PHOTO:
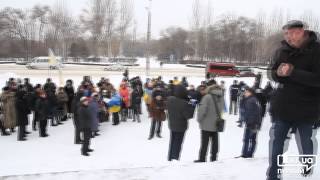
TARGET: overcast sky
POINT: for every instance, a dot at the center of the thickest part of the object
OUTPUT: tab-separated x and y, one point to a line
166	13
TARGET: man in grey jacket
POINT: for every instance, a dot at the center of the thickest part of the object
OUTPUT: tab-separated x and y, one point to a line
207	118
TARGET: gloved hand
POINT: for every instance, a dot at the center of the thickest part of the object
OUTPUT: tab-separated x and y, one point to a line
193	102
316	125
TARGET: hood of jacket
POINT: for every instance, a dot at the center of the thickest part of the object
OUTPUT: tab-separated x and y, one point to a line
214	90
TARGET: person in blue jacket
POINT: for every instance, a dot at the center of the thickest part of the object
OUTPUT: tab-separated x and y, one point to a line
252	117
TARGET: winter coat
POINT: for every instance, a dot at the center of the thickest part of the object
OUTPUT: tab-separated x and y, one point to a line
42	108
49	88
125	95
261	96
8	99
179	110
193	94
75	107
297	98
157	110
70	93
53	103
85	117
94	110
158	92
207	114
184	83
234	92
62	99
22	108
136	96
252	112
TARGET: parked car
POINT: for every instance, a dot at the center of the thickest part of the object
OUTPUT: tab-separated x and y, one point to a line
115	67
44	62
221	69
245	72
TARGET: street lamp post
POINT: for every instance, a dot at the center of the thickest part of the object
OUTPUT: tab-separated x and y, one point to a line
148	40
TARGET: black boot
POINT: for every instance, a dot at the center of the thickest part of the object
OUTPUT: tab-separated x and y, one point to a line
85	153
52	122
4	132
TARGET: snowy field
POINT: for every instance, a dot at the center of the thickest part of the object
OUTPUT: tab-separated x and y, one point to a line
124	153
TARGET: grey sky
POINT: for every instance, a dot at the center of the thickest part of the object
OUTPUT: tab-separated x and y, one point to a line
178	12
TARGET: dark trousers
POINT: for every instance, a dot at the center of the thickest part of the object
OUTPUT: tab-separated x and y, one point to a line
77	131
124	114
43	127
21	132
35	120
278	135
115	118
233	107
176	139
86	140
249	142
3	130
155	124
205	137
136	115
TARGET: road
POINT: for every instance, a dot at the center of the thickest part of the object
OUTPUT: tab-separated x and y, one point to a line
81	70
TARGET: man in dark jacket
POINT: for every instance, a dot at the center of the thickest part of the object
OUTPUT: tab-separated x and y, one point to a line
136	96
261	96
234	95
42	110
69	89
76	123
85	123
22	112
295	104
252	117
180	111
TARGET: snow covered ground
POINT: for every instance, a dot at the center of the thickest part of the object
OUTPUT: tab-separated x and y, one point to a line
123	152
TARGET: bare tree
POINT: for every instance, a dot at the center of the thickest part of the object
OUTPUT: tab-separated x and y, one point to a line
19	24
61	29
40	14
111	14
125	15
93	20
207	24
195	23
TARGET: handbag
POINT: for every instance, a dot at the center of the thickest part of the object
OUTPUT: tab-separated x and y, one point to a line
220	122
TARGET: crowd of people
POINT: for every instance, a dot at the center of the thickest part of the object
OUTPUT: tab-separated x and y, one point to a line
90	104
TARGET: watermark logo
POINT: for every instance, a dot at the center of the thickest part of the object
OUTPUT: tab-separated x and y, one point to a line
296	164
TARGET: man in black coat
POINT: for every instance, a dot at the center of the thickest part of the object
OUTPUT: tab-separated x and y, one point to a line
234	95
22	112
74	110
69	89
42	109
180	111
136	97
85	122
295	103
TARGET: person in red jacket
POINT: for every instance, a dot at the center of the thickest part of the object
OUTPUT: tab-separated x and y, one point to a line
125	96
